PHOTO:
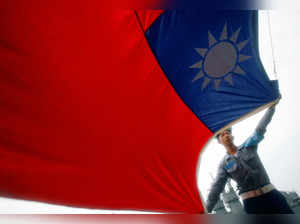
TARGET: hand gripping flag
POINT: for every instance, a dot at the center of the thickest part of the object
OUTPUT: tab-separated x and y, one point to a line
111	108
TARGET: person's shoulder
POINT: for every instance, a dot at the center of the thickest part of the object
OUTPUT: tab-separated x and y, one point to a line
223	161
240	147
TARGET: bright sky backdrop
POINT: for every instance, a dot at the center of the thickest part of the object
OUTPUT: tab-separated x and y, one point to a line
279	151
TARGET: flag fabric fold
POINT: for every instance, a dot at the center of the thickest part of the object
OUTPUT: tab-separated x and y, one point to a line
89	115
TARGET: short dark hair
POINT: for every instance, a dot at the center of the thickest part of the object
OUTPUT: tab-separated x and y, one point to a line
228	129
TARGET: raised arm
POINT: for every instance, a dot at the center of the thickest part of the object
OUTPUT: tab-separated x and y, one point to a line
217	188
260	130
263	123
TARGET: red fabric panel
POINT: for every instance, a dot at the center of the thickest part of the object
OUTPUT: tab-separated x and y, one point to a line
87	116
147	17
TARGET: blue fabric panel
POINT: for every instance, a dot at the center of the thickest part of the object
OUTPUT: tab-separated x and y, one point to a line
212	61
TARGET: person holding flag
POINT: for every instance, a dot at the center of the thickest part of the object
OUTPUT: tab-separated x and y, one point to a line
242	164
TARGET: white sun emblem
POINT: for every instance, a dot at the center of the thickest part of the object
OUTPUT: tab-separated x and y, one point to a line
221	60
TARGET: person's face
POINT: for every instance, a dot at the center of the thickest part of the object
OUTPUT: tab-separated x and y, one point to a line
225	138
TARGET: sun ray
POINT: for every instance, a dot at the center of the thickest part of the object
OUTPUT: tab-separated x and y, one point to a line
198	76
217	83
201	51
235	35
212	39
205	83
244	57
242	44
228	78
197	65
224	33
239	70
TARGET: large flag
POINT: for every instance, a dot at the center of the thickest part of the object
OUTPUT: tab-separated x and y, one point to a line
111	108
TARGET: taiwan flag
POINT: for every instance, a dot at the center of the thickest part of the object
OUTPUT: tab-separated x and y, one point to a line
111	109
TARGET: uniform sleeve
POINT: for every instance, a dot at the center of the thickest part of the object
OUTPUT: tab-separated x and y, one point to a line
217	188
260	129
263	123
